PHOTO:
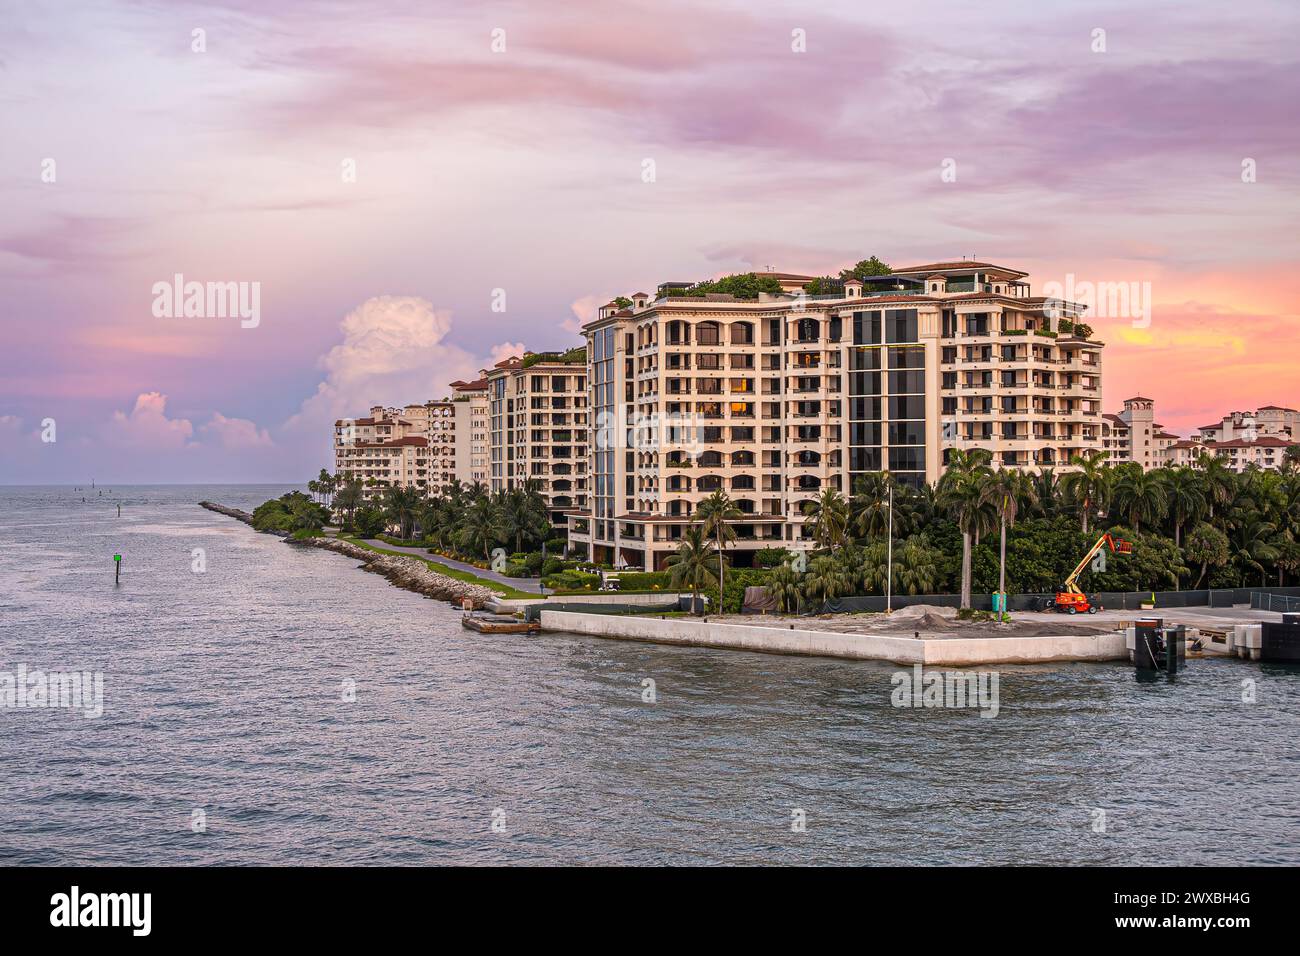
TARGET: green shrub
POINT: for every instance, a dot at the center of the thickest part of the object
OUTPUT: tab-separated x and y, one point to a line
770	557
369	522
644	580
573	581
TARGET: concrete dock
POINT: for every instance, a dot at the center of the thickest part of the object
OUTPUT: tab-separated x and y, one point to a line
951	651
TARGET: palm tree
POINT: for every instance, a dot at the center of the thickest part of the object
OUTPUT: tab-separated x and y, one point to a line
1220	482
1047	489
349	498
713	513
691	564
1009	489
916	566
783	588
1208	545
914	509
873	567
828	517
825	580
1090	485
1183	488
964	493
869	506
401	505
307	516
523	513
325	481
1252	545
1140	495
478	527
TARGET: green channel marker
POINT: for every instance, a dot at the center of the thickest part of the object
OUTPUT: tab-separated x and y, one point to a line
117	569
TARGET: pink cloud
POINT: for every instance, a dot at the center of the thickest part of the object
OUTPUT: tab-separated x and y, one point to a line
236	433
147	425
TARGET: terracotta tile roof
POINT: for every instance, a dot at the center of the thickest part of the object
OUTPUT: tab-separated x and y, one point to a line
478	385
931	267
1265	442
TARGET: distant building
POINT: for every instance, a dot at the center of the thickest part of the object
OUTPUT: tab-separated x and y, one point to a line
473	438
1134	435
409	447
1271	421
538	428
1242	439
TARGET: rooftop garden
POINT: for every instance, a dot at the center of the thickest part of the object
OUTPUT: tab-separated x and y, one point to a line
745	285
574	356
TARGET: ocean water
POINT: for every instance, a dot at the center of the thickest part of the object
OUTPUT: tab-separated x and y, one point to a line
225	694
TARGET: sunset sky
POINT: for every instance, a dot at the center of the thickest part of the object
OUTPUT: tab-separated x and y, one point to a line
522	171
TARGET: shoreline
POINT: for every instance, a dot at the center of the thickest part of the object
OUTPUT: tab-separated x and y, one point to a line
408	573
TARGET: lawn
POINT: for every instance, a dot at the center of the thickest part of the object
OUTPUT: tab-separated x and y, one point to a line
502	589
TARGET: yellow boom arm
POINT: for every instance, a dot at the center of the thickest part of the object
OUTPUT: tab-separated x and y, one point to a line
1118	545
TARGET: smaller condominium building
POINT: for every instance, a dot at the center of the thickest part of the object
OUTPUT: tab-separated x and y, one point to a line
1271	421
537	428
473	438
416	446
1134	435
1242	439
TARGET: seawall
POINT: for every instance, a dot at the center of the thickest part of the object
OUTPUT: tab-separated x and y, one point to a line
953	652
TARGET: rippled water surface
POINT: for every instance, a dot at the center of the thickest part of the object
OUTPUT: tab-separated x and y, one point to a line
223	692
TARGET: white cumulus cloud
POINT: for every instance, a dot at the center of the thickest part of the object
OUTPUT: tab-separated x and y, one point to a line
506	350
236	433
147	425
393	353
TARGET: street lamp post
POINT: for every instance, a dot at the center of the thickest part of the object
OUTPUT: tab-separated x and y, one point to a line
889	563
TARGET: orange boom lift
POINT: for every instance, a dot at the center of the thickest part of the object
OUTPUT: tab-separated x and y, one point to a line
1070	599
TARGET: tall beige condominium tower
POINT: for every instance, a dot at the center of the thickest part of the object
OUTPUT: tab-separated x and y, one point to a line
777	398
537	427
473	444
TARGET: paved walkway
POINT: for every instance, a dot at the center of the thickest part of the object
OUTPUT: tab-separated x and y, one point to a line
532	585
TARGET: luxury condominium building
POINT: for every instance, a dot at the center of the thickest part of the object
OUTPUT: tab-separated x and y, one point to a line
473	438
1134	435
1243	440
538	428
777	398
409	447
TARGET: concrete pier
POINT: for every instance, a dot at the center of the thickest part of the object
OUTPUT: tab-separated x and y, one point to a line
953	652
